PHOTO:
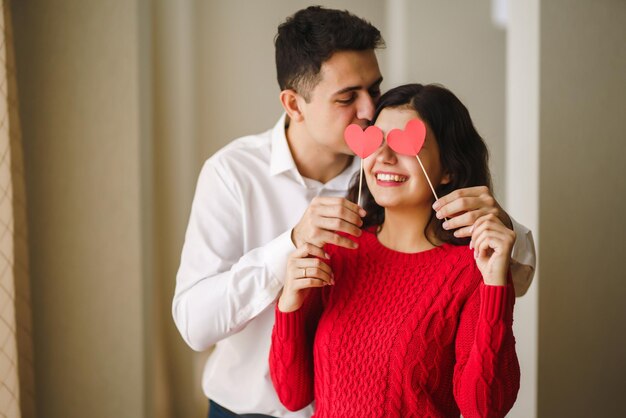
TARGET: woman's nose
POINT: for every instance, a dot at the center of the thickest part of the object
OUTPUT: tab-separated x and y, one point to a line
386	155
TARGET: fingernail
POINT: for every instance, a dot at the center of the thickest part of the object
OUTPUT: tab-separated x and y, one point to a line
327	256
445	225
436	205
471	244
362	212
471	229
438	214
456	233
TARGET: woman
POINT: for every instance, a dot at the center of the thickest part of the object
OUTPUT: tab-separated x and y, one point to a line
415	322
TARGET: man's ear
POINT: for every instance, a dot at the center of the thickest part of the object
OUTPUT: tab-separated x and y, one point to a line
291	101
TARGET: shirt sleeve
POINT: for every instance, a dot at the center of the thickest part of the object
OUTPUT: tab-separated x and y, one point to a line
523	258
218	287
291	353
486	374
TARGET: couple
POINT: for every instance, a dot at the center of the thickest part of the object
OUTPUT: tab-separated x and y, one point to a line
268	200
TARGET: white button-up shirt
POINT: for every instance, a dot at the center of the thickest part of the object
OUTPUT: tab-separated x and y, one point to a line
248	198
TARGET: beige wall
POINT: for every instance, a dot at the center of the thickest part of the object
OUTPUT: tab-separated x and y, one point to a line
78	73
456	44
582	338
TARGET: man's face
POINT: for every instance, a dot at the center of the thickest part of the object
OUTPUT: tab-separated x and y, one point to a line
346	94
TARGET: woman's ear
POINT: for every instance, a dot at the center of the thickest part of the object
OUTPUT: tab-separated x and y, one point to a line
290	100
447	178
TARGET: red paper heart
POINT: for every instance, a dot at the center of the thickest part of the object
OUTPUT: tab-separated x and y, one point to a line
410	140
363	143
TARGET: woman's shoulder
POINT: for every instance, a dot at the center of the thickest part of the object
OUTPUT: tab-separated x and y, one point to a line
461	252
462	261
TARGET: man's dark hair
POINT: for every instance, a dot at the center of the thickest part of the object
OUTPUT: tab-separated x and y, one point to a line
310	37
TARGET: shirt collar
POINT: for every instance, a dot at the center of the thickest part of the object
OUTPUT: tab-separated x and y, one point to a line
342	181
281	159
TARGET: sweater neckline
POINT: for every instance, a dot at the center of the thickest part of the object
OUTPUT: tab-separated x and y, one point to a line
371	239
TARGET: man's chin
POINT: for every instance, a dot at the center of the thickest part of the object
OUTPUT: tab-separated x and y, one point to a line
346	151
340	150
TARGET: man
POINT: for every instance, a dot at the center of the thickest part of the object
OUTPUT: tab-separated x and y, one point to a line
262	196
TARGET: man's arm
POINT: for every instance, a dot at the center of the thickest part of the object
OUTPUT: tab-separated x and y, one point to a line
218	287
464	206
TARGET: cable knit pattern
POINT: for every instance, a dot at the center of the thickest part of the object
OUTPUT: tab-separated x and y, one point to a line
399	335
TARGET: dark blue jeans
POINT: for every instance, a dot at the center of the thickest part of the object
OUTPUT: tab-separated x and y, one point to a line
218	411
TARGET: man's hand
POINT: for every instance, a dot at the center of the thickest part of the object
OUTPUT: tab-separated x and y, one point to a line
463	207
326	216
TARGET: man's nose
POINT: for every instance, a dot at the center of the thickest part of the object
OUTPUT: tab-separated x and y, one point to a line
366	107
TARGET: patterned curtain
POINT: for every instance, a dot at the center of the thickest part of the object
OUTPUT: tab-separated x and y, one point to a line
16	352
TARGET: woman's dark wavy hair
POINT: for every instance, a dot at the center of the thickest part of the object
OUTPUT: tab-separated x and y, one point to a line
463	152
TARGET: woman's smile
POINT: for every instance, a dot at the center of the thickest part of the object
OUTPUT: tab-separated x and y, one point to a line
389	179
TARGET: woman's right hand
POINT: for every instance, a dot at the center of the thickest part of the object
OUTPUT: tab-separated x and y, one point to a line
305	270
493	243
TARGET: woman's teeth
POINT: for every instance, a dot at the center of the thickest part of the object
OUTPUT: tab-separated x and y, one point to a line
390	177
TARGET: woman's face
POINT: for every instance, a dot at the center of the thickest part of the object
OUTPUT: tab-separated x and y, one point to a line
397	180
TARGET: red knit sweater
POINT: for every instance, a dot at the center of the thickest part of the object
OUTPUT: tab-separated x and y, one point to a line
399	335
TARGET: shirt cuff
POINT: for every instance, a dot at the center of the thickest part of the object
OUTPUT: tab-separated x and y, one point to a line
523	258
524	247
276	253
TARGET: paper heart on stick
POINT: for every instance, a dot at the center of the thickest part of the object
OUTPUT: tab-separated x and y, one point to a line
363	143
410	140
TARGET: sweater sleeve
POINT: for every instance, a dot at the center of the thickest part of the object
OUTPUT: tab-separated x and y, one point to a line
291	352
486	374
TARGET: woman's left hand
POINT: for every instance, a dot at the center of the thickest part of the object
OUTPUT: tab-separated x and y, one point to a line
492	243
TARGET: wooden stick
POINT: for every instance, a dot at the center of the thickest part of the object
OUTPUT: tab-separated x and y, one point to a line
358	202
428	179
